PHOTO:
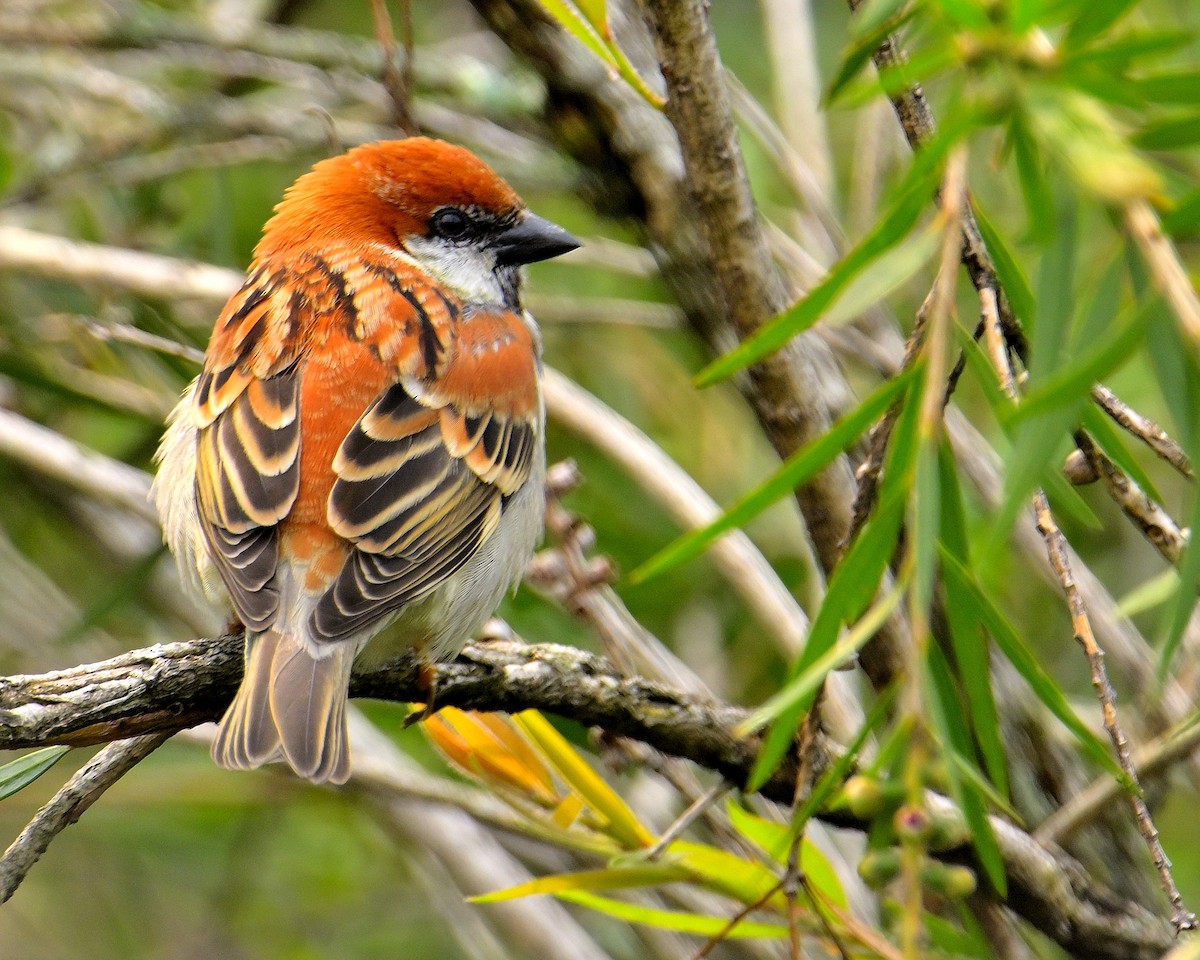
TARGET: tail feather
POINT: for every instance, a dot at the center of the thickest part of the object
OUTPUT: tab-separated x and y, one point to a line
291	706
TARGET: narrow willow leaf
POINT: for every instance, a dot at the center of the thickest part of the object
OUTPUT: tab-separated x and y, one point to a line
797	470
1120	54
1184	220
1031	178
1067	501
836	775
578	774
1038	438
575	24
1073	381
18	774
967	14
1179	87
799	691
893	269
776	839
747	881
873	549
895	79
610	878
1169	133
1189	579
895	225
971	772
1179	384
1080	132
944	709
1014	648
1009	272
966	634
870	26
691	923
1093	19
1159	589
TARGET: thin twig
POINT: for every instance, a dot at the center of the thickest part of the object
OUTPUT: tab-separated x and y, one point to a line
69	803
1169	274
395	81
696	809
1056	548
712	942
1148	516
1152	759
1145	429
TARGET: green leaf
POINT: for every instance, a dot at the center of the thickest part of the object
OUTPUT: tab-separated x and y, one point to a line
1159	589
1035	191
896	224
1087	141
17	774
797	470
833	777
776	839
1014	648
893	269
1092	19
691	923
859	570
569	17
610	878
1184	219
746	881
1189	579
1010	274
944	709
1169	133
967	639
1037	438
1073	381
869	28
799	691
968	14
1179	87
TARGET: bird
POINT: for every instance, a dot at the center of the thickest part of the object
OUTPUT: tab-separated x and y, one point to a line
363	451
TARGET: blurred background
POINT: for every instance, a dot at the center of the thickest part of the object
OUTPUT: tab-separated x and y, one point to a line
173	128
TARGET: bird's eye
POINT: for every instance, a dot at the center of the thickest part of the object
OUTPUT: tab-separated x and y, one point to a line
450	224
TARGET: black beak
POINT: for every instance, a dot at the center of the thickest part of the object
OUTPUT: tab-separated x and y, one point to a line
531	239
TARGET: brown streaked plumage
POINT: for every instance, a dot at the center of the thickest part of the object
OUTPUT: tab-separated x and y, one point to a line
364	444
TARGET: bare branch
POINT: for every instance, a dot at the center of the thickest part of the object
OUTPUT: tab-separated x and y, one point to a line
159	690
1149	517
1056	549
69	804
1145	429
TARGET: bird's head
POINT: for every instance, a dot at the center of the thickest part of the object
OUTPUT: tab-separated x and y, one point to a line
436	202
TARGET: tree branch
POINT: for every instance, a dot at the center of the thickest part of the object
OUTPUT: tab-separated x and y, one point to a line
159	690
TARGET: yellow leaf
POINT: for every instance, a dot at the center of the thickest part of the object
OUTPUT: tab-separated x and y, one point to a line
622	825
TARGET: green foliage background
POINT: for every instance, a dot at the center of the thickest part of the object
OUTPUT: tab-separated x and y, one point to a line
181	860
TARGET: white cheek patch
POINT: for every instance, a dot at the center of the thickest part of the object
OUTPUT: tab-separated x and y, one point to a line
466	269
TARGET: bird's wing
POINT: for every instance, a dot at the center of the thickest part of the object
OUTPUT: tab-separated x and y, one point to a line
424	475
246	407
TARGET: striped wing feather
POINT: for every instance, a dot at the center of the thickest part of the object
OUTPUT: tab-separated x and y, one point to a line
248	451
417	493
421	479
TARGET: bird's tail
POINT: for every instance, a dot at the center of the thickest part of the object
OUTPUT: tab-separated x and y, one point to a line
291	706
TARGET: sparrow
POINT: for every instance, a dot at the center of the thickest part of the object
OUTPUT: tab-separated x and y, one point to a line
364	447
